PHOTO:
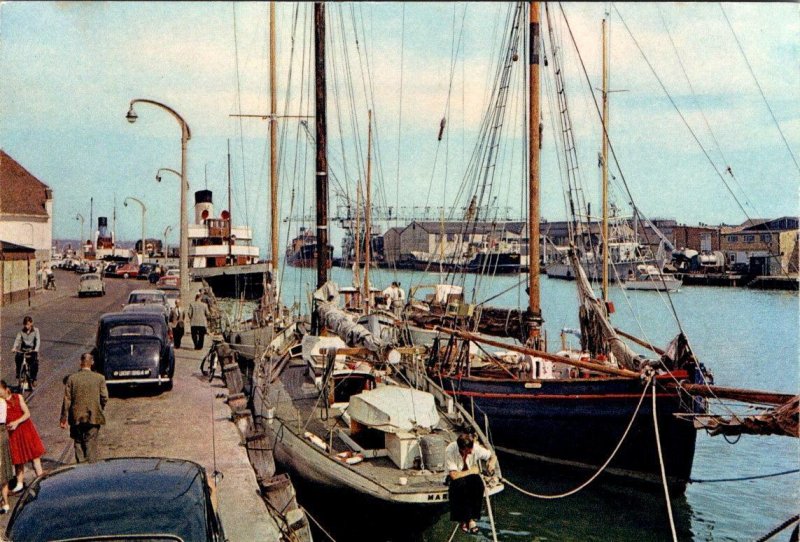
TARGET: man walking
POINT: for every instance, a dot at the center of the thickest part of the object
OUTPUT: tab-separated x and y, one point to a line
198	320
85	397
176	323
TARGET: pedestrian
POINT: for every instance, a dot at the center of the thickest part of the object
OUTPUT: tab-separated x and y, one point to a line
27	343
198	320
85	397
176	323
6	463
23	438
465	483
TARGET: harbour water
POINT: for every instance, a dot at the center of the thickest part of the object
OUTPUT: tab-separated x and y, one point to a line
746	338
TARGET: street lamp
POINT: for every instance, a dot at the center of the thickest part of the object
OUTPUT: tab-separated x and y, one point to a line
158	173
144	210
166	246
80	217
186	135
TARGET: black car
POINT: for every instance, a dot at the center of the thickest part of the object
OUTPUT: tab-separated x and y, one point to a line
111	270
138	498
135	348
144	271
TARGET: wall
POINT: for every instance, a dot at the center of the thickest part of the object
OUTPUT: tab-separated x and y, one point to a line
14	280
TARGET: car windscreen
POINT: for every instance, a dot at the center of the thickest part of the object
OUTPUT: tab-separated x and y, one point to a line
89	277
124	330
146	298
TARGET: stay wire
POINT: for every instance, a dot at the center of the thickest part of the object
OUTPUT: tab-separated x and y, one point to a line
239	108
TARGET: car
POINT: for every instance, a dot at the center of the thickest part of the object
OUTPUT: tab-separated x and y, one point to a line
127	270
151	308
173	293
144	271
91	284
171	278
157	297
110	270
125	498
135	348
83	268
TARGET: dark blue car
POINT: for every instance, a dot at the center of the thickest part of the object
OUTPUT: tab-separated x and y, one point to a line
135	348
141	498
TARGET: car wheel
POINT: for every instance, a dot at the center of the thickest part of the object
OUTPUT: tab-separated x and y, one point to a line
126	275
80	294
169	385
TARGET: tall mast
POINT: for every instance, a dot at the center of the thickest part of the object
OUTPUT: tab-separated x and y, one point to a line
273	142
605	161
534	141
230	211
368	213
322	144
357	241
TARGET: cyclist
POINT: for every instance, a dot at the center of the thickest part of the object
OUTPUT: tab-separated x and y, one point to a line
27	343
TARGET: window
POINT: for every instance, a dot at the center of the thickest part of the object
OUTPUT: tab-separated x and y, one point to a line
732	238
131	329
749	238
766	238
451	237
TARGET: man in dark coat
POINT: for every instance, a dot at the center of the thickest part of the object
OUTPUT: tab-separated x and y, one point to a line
85	397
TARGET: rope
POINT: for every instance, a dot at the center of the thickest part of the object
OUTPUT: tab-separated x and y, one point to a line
596	474
663	470
755	477
453	534
326	533
779	528
489	510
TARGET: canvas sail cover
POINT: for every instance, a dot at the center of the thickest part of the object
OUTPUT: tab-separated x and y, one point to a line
597	334
392	409
342	323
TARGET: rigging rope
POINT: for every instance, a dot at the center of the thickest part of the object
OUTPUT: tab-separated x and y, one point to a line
239	109
602	467
663	470
761	90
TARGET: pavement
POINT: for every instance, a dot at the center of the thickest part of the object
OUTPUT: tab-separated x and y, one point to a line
190	422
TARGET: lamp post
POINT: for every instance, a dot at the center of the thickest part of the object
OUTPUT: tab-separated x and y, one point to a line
166	246
80	217
144	210
186	135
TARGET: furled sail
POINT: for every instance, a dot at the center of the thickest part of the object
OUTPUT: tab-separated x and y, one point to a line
341	323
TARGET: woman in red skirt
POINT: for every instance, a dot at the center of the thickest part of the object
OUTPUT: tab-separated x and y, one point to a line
23	439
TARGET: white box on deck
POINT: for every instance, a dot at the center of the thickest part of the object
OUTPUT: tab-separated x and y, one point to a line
403	448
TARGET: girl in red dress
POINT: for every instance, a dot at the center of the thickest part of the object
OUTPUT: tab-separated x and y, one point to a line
23	439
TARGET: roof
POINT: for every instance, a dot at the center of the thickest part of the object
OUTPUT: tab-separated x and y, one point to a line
115	496
462	227
20	192
5	246
133	318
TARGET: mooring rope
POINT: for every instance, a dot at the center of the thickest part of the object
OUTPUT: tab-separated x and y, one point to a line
326	533
601	469
779	528
743	478
663	469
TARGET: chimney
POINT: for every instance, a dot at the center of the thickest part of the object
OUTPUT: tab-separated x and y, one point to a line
203	206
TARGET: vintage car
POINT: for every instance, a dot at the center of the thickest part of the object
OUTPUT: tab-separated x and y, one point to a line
135	348
171	278
149	297
173	293
144	271
127	270
137	498
91	284
110	270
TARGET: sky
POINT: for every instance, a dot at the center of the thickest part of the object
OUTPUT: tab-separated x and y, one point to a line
71	69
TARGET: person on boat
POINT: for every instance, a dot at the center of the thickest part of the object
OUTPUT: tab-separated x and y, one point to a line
461	459
392	295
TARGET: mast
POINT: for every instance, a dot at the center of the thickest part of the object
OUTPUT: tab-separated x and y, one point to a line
368	213
357	241
534	142
322	144
230	212
605	161
273	142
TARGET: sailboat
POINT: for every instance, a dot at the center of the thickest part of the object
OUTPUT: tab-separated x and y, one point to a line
581	408
342	417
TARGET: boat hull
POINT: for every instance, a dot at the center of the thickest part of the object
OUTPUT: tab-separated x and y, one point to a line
234	281
579	423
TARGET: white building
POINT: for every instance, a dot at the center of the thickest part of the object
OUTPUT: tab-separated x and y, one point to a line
26	209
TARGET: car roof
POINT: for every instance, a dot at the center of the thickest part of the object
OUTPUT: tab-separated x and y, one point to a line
155	308
115	497
147	291
90	275
133	317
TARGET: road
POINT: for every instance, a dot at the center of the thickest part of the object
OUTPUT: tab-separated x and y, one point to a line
190	422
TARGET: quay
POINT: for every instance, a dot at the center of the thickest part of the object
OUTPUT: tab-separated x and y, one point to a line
190	422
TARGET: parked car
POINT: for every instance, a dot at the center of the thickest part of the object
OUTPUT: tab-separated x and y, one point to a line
149	297
149	308
171	278
84	267
127	270
135	348
110	270
91	284
137	498
144	271
173	293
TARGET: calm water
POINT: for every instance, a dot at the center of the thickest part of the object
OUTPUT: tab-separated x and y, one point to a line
746	338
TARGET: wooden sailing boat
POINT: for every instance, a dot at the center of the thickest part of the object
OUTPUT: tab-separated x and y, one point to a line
341	417
578	408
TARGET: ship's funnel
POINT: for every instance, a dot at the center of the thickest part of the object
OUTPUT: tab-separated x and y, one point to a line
102	227
203	206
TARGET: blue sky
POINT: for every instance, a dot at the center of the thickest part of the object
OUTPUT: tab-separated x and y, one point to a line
70	69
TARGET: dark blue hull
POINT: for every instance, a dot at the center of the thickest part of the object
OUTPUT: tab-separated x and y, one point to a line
496	263
580	421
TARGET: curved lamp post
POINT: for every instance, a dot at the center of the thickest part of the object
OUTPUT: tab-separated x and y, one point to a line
80	217
186	135
144	210
166	246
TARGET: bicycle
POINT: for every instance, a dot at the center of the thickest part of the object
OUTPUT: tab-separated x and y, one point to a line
210	364
24	378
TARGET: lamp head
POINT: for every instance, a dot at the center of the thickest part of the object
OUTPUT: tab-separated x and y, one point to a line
131	116
158	177
125	203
